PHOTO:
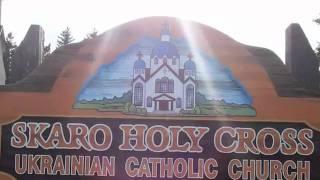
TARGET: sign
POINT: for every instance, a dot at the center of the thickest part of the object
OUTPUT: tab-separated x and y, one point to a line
125	148
176	101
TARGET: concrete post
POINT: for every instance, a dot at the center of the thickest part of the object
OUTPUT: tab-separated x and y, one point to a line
29	54
300	58
2	67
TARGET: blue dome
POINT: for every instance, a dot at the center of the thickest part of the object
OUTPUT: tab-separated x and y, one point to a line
189	65
139	64
165	48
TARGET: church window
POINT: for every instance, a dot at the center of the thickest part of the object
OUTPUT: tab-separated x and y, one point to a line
164	85
164	82
138	94
149	101
164	60
190	96
178	103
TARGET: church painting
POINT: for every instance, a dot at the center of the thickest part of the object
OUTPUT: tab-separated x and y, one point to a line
165	76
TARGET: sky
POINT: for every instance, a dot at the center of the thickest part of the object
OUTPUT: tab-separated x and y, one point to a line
253	22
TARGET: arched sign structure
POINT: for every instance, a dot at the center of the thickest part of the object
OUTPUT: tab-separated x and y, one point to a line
160	98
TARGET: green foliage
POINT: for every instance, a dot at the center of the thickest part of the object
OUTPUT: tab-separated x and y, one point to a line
65	38
201	99
317	50
125	98
141	111
220	110
317	20
132	108
47	50
197	110
8	55
126	107
100	107
92	35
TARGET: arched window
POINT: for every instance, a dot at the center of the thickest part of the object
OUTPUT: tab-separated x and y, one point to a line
164	83
157	88
138	94
178	103
149	101
164	60
190	96
156	60
171	86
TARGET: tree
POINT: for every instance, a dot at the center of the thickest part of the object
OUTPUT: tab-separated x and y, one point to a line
92	35
8	54
318	47
65	38
47	50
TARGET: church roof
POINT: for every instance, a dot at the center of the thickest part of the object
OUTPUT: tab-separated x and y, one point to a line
139	64
165	48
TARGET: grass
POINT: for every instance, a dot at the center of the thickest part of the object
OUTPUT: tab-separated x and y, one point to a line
227	110
208	109
100	107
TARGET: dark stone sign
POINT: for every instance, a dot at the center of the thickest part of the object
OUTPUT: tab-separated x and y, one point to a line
79	148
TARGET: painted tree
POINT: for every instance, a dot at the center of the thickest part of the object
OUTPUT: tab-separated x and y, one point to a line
65	37
92	35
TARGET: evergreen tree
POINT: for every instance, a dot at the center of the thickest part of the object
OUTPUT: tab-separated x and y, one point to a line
92	35
47	50
318	47
8	55
65	38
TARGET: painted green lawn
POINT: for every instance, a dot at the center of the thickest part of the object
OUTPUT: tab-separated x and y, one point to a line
100	107
227	110
203	110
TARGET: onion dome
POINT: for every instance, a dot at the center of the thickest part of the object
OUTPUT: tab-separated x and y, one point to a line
165	48
139	64
189	65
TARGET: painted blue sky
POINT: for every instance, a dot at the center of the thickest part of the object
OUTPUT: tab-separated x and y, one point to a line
214	80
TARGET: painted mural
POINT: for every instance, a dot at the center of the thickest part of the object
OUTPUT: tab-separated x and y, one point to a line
165	76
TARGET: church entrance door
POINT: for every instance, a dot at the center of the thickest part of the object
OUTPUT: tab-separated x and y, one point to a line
163	105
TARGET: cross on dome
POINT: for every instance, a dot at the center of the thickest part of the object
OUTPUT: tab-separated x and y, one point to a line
190	56
139	54
165	28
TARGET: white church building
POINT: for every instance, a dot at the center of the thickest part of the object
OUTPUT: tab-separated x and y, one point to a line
164	84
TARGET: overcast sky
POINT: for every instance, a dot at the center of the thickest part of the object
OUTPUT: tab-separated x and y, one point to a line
253	22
